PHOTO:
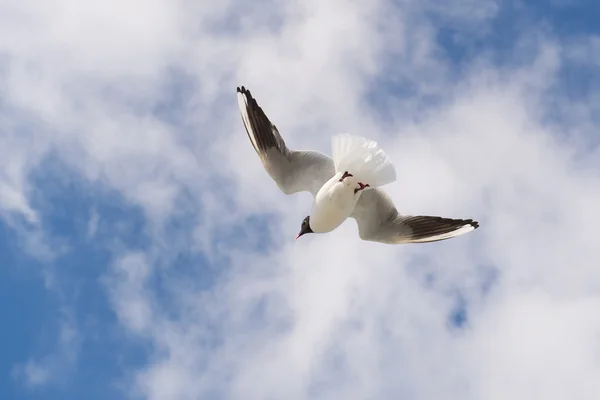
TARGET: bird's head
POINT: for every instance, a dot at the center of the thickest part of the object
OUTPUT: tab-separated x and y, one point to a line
305	227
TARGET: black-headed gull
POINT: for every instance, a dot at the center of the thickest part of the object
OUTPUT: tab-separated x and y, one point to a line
343	186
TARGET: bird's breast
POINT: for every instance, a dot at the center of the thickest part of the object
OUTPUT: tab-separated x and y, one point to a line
334	203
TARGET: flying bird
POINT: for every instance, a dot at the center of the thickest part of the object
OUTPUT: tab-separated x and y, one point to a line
345	185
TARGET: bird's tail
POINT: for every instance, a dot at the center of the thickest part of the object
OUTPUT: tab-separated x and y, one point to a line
362	158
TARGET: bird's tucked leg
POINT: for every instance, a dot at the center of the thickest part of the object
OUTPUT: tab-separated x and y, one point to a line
362	187
346	174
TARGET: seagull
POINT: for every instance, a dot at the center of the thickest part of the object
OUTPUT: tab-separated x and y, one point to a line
345	186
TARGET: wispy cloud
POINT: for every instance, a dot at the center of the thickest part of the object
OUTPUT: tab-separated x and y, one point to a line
55	366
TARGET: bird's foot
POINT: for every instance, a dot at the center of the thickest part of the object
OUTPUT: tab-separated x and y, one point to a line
361	187
346	174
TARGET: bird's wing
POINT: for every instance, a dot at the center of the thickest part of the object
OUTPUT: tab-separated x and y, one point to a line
379	221
293	171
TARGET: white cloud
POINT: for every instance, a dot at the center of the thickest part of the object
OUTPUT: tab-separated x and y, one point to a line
328	316
33	373
128	286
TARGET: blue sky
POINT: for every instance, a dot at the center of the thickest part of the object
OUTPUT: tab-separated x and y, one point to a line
136	265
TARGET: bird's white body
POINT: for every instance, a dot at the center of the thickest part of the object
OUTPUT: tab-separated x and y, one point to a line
361	165
334	203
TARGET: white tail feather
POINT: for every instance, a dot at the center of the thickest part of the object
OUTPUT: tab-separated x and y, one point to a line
362	158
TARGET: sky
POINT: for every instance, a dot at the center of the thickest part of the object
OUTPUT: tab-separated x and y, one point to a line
146	254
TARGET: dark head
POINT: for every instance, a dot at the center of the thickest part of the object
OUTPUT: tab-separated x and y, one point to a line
305	227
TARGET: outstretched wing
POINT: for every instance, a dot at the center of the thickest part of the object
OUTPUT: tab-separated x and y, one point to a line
293	171
379	221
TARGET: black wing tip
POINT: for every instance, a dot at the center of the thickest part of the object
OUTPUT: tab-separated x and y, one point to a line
458	223
251	101
424	227
243	90
473	223
465	222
